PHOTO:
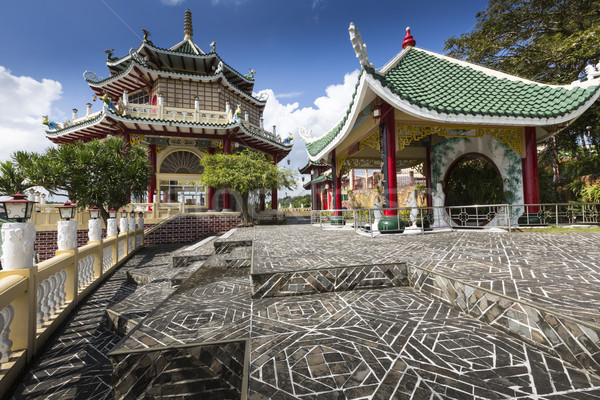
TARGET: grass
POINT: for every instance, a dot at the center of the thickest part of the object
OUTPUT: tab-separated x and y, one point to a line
557	229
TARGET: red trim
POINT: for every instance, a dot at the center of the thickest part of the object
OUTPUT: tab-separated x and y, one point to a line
390	121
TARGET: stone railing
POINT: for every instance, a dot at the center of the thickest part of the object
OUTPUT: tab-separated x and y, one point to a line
175	114
34	302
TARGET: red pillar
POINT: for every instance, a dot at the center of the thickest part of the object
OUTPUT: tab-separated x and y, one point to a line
428	175
531	188
152	187
389	148
337	184
226	150
211	190
274	191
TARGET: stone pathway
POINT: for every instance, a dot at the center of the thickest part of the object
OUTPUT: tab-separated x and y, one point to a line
359	344
75	364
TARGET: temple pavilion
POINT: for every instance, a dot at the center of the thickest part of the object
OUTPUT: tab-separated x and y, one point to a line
183	103
428	108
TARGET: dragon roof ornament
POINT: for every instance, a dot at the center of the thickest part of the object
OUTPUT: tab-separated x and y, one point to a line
359	47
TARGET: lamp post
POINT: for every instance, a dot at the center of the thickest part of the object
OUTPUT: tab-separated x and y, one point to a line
140	223
17	237
132	221
94	226
123	223
67	229
111	223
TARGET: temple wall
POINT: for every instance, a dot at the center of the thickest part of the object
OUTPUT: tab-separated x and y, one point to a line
212	97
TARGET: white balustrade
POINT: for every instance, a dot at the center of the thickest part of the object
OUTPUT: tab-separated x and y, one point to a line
138	240
51	297
85	271
130	243
106	259
120	250
7	315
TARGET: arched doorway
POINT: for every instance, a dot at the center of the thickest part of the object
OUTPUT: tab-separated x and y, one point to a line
178	178
473	179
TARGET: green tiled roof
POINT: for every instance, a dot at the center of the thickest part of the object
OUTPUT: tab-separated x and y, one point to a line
187	48
446	86
320	178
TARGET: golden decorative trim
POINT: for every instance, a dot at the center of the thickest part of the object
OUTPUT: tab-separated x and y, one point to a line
339	163
160	148
408	133
134	139
218	143
372	141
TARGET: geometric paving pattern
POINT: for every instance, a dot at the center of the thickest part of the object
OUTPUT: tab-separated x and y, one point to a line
381	343
295	283
394	343
212	371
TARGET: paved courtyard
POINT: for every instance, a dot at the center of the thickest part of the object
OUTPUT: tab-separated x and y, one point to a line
377	342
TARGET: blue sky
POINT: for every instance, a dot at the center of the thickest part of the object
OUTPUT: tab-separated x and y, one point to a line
300	50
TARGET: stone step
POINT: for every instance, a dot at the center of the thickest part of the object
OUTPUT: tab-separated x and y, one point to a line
128	313
336	279
232	239
197	252
574	340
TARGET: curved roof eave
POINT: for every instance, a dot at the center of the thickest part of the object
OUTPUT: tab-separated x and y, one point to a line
221	75
368	82
97	120
428	114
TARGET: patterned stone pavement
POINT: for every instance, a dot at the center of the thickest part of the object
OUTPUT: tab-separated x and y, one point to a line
75	364
369	343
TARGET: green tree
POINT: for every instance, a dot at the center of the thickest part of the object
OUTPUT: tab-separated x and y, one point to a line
244	172
11	179
101	173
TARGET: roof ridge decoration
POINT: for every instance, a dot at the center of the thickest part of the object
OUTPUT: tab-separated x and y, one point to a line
360	48
409	40
188	33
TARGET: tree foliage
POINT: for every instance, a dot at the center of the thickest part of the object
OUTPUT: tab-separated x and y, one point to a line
101	173
473	180
549	41
11	179
244	173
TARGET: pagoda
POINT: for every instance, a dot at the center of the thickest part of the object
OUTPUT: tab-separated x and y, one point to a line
183	103
432	109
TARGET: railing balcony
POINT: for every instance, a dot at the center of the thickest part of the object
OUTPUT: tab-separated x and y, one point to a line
175	114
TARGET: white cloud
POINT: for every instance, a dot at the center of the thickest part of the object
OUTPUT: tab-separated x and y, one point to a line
321	118
23	101
288	95
172	2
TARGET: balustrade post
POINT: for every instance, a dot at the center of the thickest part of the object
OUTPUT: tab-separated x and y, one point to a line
94	230
123	225
17	245
98	261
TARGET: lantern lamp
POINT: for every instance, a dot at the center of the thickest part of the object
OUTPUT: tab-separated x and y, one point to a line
141	214
132	214
94	212
112	213
18	208
124	214
67	211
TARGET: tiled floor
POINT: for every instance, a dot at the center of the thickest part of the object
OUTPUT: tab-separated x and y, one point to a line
371	343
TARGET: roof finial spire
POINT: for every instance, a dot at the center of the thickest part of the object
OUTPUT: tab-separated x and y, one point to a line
409	40
188	31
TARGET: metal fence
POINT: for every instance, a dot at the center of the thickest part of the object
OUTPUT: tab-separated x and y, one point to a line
423	219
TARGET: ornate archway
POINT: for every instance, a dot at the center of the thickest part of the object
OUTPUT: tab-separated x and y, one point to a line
181	162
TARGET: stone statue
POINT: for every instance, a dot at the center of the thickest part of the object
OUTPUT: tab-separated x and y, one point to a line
414	207
439	199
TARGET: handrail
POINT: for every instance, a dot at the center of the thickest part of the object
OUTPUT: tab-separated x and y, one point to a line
35	301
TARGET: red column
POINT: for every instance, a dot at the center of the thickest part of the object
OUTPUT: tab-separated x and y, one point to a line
152	187
388	118
428	176
531	189
337	184
211	190
274	191
226	150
